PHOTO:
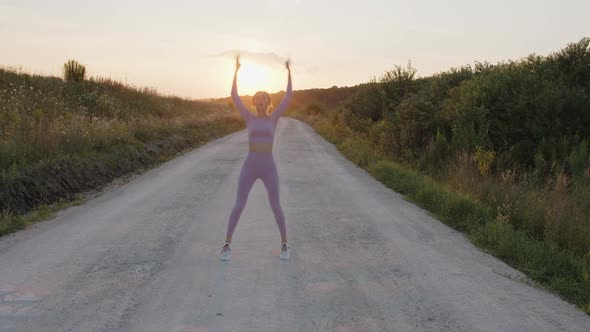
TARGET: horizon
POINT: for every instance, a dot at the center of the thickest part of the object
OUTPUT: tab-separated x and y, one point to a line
152	50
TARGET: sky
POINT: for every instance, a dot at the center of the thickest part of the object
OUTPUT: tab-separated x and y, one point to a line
186	47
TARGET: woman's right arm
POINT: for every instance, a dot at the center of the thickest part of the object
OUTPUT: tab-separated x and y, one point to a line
236	98
285	102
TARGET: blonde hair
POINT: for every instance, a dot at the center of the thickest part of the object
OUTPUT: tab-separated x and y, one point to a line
270	105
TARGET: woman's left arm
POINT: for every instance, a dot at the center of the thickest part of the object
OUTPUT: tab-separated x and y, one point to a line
285	101
238	102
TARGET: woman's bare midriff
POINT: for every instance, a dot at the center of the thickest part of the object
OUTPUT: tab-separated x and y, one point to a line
261	147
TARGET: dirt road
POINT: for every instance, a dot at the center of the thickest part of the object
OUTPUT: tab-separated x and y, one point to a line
143	256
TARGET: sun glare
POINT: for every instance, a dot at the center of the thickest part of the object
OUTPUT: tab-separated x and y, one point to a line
254	77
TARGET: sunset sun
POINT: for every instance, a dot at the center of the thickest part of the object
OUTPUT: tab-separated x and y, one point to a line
254	77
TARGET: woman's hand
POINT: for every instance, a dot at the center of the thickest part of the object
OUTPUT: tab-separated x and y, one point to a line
237	62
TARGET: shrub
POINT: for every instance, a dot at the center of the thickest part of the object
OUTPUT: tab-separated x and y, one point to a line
484	160
441	147
74	71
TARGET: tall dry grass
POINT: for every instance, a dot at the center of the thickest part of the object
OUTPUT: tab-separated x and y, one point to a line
59	137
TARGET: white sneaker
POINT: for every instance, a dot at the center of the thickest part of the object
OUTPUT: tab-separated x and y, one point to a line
225	255
284	253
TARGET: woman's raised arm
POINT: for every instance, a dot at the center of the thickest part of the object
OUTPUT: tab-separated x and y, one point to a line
236	98
285	102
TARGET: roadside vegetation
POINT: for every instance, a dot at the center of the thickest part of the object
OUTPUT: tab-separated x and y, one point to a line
499	151
62	137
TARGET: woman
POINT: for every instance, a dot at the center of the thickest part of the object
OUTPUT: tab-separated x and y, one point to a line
259	162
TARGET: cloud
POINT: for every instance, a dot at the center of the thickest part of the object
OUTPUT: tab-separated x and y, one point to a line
268	58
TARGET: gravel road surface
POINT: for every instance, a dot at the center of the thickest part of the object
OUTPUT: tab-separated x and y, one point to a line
142	256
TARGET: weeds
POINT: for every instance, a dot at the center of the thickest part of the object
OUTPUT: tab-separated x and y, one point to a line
541	230
59	138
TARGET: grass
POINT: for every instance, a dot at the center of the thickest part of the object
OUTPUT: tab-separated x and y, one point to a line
10	223
59	139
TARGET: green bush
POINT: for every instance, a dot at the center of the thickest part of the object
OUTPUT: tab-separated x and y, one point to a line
527	196
74	71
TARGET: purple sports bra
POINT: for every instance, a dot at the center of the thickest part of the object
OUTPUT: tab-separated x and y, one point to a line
261	130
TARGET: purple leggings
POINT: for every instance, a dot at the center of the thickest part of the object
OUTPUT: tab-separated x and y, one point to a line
258	165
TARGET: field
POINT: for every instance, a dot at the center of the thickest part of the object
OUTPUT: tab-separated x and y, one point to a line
60	138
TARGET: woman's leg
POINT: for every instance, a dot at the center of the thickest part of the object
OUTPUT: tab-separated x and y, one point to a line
270	178
245	182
